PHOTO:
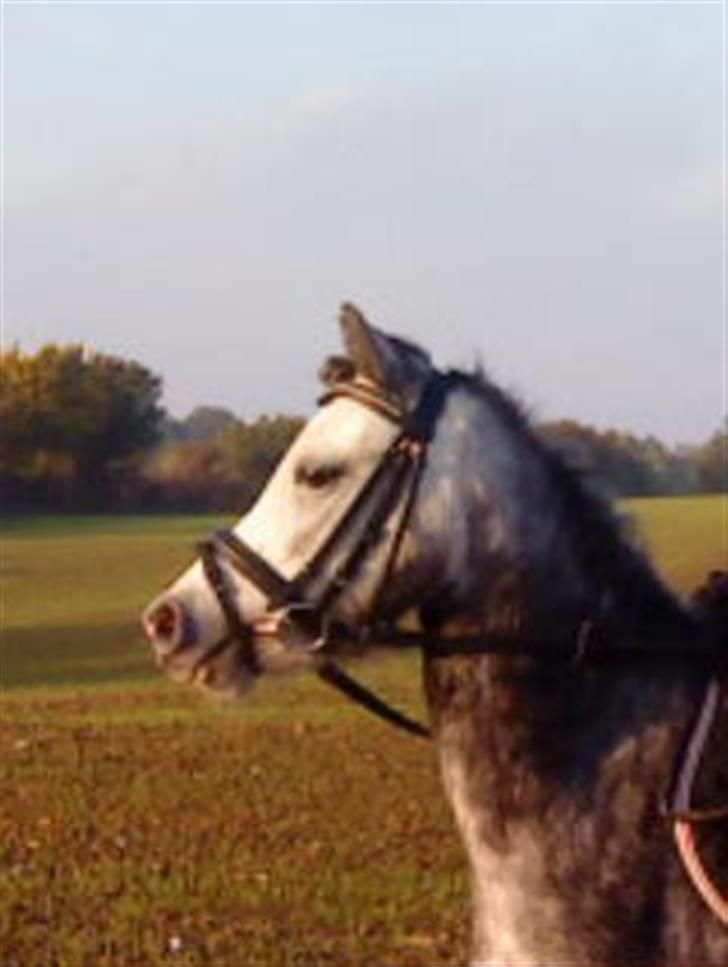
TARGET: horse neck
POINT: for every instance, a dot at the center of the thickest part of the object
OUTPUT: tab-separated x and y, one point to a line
537	553
551	772
551	767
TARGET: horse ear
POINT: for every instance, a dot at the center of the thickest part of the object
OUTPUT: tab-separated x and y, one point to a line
399	368
362	344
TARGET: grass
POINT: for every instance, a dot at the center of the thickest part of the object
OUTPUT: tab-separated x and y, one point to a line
73	589
234	837
144	825
686	537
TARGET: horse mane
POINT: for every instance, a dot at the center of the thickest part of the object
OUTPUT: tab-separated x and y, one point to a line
604	539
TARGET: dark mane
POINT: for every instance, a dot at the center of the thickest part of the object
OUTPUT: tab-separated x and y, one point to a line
604	539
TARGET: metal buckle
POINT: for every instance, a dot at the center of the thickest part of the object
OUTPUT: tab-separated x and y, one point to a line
299	626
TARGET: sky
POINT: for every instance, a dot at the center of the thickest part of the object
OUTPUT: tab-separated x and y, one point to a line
538	187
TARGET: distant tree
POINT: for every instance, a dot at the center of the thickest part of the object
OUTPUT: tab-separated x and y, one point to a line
682	471
128	414
225	473
712	463
69	418
255	449
627	465
190	477
203	423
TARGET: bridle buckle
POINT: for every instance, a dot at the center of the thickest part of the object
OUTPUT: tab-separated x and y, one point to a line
299	626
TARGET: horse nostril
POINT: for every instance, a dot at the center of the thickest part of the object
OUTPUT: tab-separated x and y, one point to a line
164	624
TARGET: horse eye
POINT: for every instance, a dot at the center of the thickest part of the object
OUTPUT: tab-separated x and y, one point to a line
320	476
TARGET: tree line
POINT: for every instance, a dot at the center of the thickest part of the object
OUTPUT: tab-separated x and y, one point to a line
82	430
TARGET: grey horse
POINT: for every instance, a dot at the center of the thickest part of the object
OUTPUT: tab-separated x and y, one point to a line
565	683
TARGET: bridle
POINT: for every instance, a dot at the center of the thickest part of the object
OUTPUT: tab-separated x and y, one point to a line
301	608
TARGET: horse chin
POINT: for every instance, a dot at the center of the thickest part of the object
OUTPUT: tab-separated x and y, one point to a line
279	659
225	683
224	674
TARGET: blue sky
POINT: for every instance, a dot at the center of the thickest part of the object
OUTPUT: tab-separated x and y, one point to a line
535	185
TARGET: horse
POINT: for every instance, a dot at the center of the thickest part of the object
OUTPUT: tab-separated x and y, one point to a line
575	702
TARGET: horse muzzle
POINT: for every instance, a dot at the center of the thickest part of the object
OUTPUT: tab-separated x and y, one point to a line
172	632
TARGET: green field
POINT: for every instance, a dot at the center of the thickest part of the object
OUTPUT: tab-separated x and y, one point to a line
144	824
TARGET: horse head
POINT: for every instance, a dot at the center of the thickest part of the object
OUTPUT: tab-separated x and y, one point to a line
308	553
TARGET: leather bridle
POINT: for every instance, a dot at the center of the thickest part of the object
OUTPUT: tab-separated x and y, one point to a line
301	608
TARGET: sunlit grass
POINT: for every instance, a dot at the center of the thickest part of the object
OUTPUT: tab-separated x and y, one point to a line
686	537
145	824
295	831
72	591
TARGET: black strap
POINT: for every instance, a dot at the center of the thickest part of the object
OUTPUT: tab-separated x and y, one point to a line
251	565
399	467
217	581
581	643
421	425
404	459
335	676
